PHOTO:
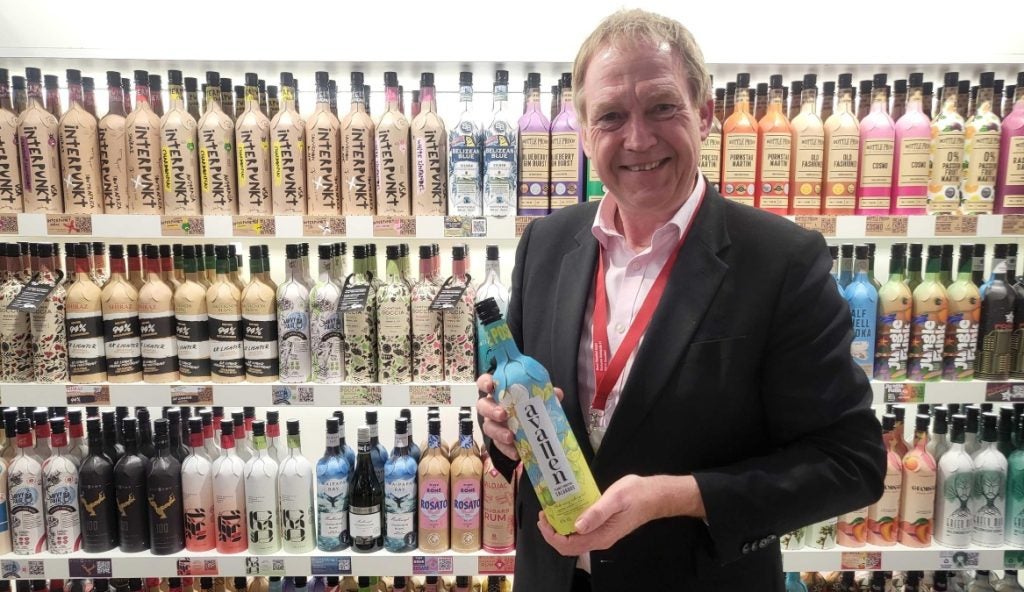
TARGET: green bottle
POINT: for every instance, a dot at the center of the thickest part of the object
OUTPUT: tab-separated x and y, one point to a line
1015	494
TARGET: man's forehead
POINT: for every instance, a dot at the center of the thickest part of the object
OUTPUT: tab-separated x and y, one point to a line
624	47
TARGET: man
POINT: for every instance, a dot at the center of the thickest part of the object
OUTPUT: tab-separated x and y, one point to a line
733	414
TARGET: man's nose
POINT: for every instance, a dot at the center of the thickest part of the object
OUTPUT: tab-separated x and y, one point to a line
639	136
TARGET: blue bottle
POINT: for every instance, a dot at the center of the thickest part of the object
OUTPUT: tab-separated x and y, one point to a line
346	450
400	490
332	488
863	300
793	583
845	265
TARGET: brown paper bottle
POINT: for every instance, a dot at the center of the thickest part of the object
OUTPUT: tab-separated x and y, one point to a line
11	201
358	164
114	149
120	303
259	321
145	177
392	148
80	153
192	323
224	307
467	493
87	363
252	141
429	155
288	154
217	153
323	154
38	131
180	153
156	322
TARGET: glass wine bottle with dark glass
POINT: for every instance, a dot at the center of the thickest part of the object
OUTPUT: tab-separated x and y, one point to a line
366	506
112	446
995	329
131	492
166	520
146	447
178	449
96	491
378	452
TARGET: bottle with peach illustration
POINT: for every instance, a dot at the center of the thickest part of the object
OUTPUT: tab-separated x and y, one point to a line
917	501
884	515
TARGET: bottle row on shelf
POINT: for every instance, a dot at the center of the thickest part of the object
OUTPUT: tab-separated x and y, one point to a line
911	581
171	485
191	317
934	328
268	584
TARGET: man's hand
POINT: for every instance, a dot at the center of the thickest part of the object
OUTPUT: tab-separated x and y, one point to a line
629	503
496	418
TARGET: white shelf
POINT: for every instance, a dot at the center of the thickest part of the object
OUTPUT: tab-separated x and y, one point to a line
242	394
184	563
899	558
936	393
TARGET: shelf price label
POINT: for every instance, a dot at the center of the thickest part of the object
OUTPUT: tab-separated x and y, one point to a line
826	225
903	392
323	226
1013	224
496	565
354	394
69	224
293	395
182	226
959	559
394	226
256	566
861	560
253	226
886	226
438	394
87	394
423	565
465	227
330	566
191	395
196	566
1013	559
522	222
9	224
22	568
90	568
1004	392
956	226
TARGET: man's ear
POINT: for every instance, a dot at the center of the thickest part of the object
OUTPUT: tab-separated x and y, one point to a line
707	115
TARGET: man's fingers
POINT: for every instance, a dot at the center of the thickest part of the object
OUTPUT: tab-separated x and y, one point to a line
595	515
486	407
559	394
485	384
499	433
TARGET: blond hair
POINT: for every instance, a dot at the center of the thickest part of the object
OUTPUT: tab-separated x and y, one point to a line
632	26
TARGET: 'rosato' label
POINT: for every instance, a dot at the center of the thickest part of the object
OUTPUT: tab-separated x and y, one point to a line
466	503
433	503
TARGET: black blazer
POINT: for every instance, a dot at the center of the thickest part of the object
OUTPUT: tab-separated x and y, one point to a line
744	379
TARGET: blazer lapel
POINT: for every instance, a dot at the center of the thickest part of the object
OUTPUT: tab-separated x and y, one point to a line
571	296
692	285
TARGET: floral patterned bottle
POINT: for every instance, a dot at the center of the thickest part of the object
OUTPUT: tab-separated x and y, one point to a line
917	501
293	320
988	500
325	324
883	515
16	363
400	494
332	484
460	324
49	341
360	326
393	324
954	483
947	152
427	346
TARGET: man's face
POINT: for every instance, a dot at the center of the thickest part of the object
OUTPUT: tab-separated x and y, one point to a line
643	132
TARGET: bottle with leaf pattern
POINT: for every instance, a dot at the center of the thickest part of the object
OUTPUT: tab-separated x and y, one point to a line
427	346
325	324
293	320
360	326
988	500
394	324
460	324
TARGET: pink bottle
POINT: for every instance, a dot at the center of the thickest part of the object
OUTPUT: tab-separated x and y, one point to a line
913	146
1010	180
877	137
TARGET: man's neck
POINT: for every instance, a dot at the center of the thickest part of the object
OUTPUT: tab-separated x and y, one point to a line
638	226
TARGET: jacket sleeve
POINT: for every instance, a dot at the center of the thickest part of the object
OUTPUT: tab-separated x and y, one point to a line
824	454
504	464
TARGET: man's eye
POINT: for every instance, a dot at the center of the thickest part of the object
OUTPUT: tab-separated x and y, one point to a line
608	118
664	109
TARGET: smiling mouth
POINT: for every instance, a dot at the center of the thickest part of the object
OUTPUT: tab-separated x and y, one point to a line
648	166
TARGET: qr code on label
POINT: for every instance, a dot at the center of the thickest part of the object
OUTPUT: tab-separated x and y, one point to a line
35	568
9	224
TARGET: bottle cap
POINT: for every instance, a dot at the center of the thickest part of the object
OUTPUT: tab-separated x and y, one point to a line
141	78
74	76
363	435
743	80
879	80
393	252
466	427
359	251
332	425
458	253
206	417
154	82
466	78
921	423
259	428
774	81
1000	251
861	252
964	87
810	80
501	77
427	79
390	79
941	425
51	82
164	250
174	77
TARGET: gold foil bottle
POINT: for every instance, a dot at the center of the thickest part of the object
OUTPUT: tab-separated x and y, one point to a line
252	140
323	154
79	153
392	147
224	307
121	333
358	164
179	150
288	154
259	320
217	154
429	155
49	340
114	149
38	133
87	363
145	174
11	200
192	322
156	323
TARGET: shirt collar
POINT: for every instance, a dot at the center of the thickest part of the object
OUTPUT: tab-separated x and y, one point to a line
605	232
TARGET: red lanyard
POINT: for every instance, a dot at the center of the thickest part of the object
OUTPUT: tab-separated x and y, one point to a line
607	372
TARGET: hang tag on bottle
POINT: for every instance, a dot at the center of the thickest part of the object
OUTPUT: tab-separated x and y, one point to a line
34	293
448	296
353	297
